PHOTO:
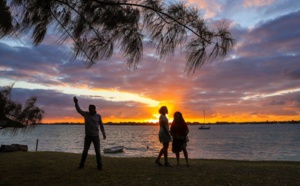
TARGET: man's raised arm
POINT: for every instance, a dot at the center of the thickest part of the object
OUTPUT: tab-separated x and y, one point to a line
77	106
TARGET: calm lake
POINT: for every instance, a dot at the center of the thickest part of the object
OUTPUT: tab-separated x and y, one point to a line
238	142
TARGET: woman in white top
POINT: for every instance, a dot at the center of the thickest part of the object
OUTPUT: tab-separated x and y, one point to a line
164	136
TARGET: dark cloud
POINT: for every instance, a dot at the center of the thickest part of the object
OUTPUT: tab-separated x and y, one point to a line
277	102
279	37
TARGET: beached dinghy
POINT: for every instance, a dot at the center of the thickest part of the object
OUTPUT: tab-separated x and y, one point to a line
114	149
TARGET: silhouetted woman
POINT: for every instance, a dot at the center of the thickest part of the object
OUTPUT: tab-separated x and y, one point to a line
179	131
164	136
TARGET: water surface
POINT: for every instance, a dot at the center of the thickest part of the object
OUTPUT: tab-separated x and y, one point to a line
238	142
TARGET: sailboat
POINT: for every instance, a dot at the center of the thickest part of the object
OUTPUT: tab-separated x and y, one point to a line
204	127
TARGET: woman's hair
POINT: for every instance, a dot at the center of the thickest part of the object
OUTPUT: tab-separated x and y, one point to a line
178	118
163	110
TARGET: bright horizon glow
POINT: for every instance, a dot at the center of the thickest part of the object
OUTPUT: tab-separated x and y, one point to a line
105	94
233	119
152	105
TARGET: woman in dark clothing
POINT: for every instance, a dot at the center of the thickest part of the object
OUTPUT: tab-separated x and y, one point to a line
179	131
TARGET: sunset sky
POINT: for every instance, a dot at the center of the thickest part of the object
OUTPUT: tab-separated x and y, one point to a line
258	81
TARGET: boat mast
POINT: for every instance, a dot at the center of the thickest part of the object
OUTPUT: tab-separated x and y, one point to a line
203	116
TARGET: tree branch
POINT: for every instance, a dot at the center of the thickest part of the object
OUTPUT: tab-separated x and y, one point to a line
156	11
70	36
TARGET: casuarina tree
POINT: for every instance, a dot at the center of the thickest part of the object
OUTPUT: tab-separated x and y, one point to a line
6	26
14	115
100	27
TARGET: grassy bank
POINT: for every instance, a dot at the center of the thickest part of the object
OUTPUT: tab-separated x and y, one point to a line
53	168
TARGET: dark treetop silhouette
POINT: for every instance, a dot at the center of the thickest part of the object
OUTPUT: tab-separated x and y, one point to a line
96	26
14	116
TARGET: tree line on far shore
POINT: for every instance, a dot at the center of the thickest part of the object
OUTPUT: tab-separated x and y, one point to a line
189	123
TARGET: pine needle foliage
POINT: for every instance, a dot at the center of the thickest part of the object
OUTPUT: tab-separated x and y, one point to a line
15	116
6	26
98	26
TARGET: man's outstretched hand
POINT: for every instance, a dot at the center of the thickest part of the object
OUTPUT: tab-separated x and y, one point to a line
75	99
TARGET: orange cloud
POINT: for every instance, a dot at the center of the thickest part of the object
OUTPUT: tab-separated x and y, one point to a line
211	7
257	3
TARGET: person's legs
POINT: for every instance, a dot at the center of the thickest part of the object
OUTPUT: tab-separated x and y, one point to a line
177	157
96	142
186	156
87	143
165	152
157	161
176	149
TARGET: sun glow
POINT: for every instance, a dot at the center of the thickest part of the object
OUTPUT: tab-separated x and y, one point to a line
150	106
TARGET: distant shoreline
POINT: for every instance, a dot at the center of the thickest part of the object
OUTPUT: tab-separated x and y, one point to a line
189	123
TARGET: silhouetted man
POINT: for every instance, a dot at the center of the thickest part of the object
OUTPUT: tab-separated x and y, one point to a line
91	121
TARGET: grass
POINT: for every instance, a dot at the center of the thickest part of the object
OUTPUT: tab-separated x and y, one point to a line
56	168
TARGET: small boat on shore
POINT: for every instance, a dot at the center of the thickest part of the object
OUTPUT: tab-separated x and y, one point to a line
114	149
204	127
